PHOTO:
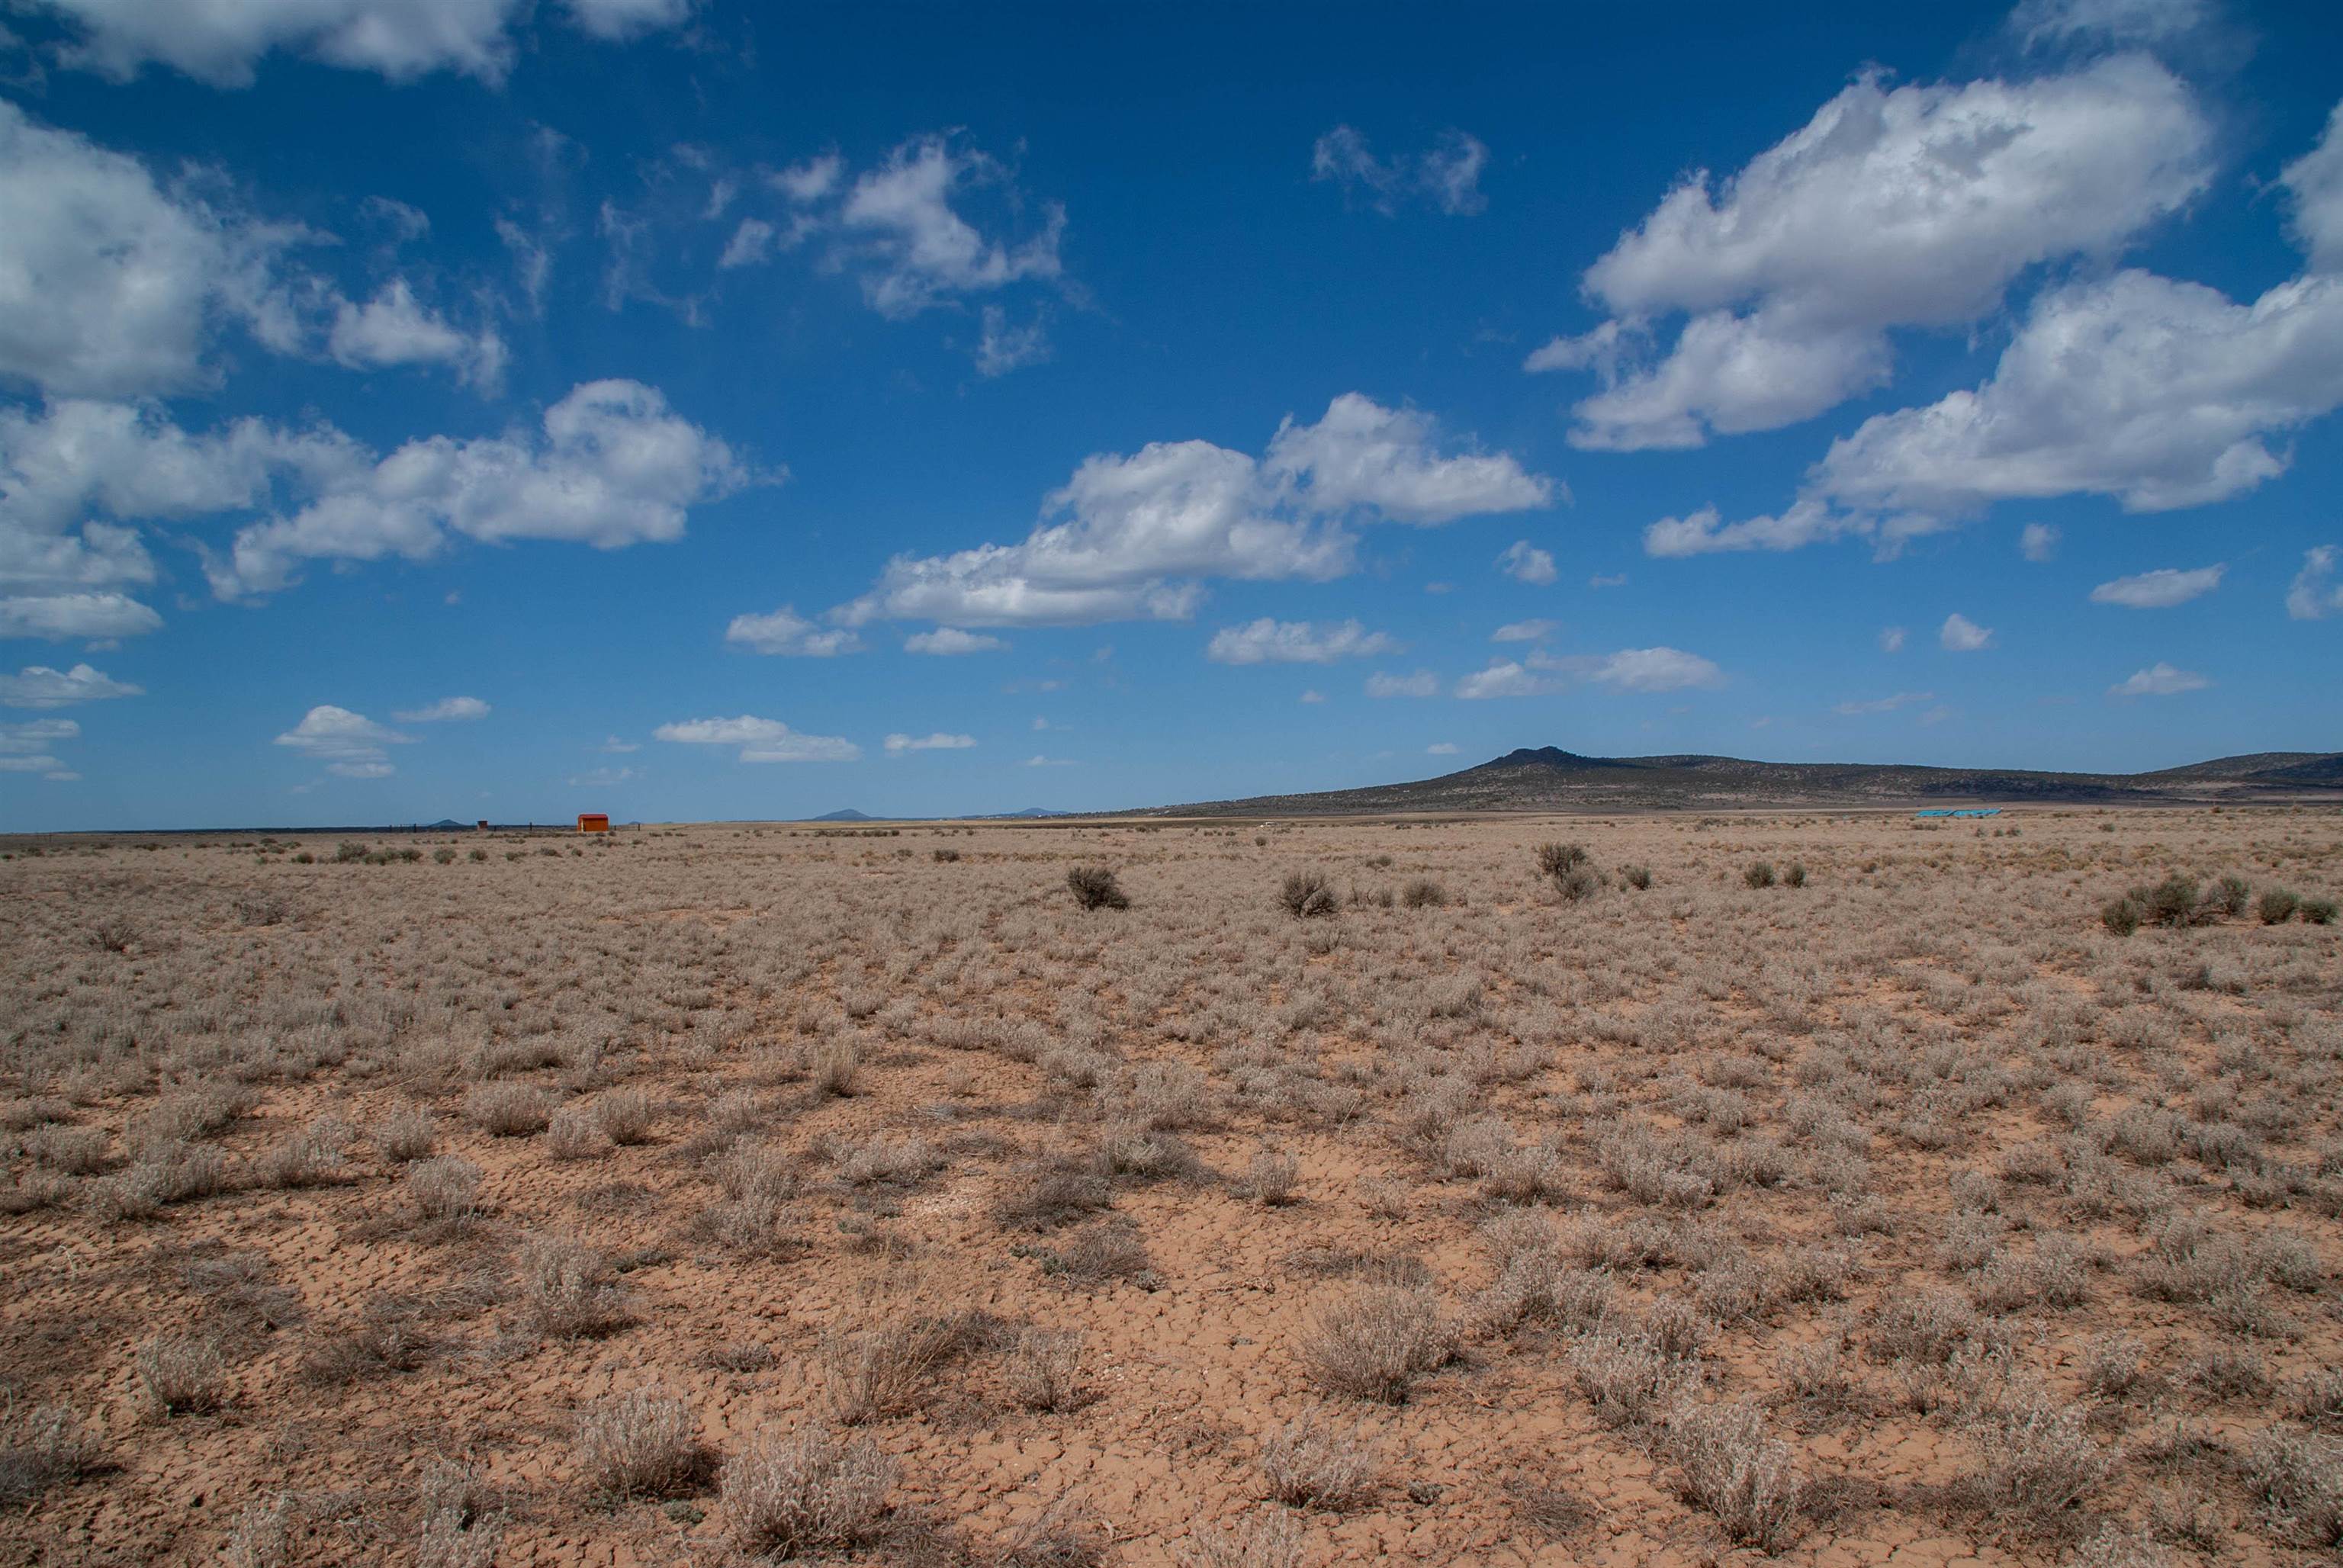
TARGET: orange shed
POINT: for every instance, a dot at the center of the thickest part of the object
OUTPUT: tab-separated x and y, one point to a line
593	822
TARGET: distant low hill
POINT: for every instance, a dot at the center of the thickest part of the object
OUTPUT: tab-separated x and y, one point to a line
1548	778
1030	812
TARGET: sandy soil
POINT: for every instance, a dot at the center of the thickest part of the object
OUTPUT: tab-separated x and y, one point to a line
2002	1237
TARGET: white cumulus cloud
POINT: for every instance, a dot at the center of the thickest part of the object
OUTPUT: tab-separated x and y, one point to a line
1906	207
1524	562
1637	669
610	465
74	617
1525	631
2159	590
938	741
1959	633
787	633
2037	542
760	739
2315	594
1268	641
39	686
349	744
446	708
2159	680
915	250
950	642
1423	683
1131	538
221	42
395	328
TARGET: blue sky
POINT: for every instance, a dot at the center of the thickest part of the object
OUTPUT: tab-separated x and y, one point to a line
414	409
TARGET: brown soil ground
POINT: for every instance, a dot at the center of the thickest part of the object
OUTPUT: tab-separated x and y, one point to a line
1909	1216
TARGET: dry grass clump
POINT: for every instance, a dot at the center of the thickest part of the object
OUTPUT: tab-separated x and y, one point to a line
1374	1342
446	1189
1044	1369
386	1343
1048	1194
575	1133
892	1369
1737	1469
1272	1177
624	1116
179	1374
68	1150
45	1446
1630	1378
791	1497
641	1444
1422	893
1270	1538
509	1109
2297	1477
165	1173
834	1065
262	1533
2039	1457
461	1525
569	1291
2317	1400
312	1157
404	1136
1312	1463
1095	888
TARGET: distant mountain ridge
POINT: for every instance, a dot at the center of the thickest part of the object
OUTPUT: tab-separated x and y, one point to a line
1548	778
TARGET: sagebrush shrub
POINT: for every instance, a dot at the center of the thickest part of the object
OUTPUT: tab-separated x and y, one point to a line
1095	888
1307	895
1759	874
2275	907
2229	894
1557	861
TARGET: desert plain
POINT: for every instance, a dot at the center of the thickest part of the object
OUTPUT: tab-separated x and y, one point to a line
1831	1189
